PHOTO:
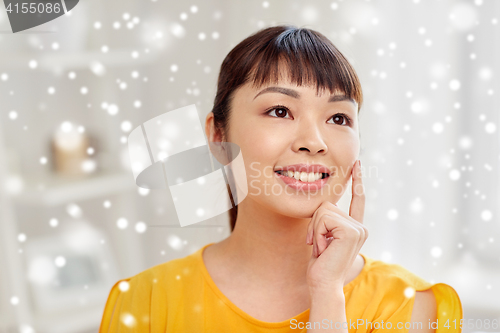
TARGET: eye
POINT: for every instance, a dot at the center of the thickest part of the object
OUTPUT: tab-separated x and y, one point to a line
279	111
339	119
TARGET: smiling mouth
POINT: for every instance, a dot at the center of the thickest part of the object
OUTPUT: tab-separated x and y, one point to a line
303	176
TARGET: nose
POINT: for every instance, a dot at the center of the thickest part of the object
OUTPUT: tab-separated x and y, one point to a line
309	138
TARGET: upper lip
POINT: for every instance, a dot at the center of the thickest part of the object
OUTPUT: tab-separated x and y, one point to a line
305	168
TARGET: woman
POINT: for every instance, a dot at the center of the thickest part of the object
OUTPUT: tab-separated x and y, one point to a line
290	100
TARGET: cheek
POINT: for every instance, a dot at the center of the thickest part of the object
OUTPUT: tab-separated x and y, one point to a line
345	152
258	144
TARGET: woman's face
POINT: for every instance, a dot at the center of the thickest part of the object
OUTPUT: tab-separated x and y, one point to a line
281	124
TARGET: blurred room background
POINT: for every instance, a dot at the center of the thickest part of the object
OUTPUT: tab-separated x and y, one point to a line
73	222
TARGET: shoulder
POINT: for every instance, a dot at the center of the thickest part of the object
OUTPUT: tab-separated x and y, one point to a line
400	294
132	301
163	278
391	289
390	277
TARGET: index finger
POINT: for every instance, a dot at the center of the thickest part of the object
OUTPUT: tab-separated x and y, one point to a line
357	208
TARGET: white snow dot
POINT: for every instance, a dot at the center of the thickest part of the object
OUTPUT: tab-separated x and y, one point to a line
116	25
33	64
419	106
66	126
265	4
4	76
454	174
465	142
392	214
201	36
126	126
112	109
14	300
437	128
53	222
200	212
97	25
409	292
140	227
84	90
386	256
51	90
143	191
486	215
436	251
88	166
60	261
177	30
174	242
122	223
416	206
24	328
21	238
137	104
13	115
485	73
55	46
183	16
106	204
128	320
215	35
123	286
174	68
454	84
74	210
43	160
193	9
490	128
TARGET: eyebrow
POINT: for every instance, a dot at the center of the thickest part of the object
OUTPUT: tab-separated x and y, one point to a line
295	94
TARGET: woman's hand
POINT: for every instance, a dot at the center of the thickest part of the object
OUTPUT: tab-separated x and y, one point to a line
336	239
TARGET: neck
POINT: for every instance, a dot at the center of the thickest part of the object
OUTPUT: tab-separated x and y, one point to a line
268	247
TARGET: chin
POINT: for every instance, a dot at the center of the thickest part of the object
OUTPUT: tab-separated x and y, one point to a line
299	209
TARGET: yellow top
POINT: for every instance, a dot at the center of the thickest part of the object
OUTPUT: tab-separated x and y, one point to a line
180	296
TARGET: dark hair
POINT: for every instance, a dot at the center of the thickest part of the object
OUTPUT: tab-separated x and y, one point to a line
307	55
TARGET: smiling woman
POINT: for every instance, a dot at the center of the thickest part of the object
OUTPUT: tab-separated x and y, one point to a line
290	100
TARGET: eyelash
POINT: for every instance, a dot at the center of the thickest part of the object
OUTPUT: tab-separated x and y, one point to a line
348	120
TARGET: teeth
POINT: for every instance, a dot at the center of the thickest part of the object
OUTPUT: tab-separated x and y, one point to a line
303	176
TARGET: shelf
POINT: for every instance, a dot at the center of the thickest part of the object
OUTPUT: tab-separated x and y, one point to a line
75	60
58	190
84	320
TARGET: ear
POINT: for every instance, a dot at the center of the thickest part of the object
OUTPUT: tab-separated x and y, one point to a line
215	143
213	135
